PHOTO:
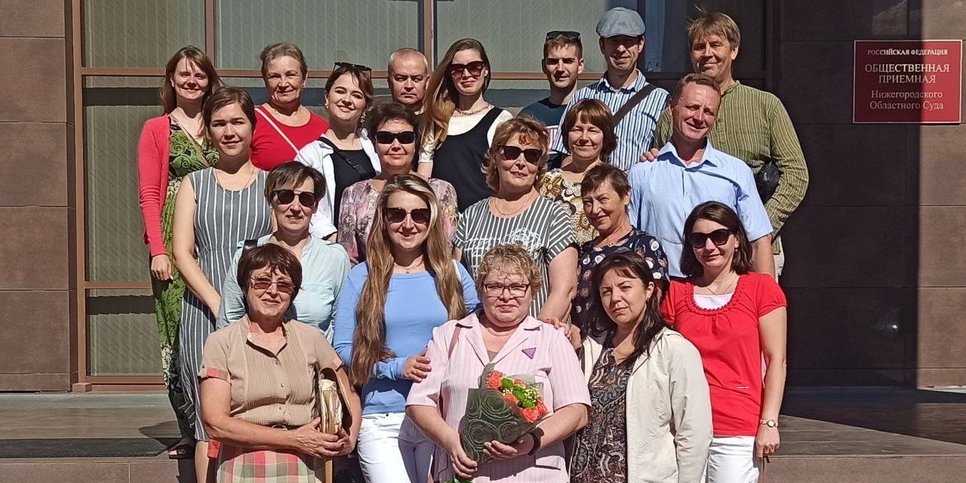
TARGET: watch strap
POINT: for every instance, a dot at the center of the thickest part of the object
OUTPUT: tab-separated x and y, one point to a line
537	435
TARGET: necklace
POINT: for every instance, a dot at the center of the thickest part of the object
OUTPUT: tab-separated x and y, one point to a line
727	288
613	238
525	203
411	267
224	185
470	112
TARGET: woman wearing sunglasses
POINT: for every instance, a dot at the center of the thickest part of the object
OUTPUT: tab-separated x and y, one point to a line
393	127
386	314
294	190
171	146
460	124
207	226
344	155
588	134
735	318
284	124
516	213
258	381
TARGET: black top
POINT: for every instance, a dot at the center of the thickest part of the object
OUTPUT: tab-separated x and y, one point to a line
459	161
349	167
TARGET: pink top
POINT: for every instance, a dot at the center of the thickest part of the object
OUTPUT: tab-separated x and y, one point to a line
270	149
729	342
153	154
534	348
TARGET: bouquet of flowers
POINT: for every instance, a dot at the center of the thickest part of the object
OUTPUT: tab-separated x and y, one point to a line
503	409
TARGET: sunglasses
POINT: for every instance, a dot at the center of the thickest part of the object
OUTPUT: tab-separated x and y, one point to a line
420	216
404	137
283	286
718	237
348	66
511	153
475	68
284	197
567	34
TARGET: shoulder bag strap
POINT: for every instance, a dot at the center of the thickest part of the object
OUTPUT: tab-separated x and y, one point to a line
633	101
261	110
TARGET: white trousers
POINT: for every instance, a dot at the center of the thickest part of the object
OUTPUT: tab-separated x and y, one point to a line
391	447
731	459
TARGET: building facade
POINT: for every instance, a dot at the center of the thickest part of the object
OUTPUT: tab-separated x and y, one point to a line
874	279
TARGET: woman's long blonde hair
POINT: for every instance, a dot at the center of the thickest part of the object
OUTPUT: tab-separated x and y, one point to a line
440	101
369	340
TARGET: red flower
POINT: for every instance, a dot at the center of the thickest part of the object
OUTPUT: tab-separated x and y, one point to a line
541	409
531	415
510	398
494	380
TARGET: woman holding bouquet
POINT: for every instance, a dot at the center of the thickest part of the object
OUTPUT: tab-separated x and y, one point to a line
503	336
650	417
388	308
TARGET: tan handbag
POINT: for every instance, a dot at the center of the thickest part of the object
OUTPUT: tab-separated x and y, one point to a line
331	405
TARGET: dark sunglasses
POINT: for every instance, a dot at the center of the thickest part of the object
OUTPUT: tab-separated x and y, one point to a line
349	66
404	137
475	68
420	216
282	286
567	34
718	237
511	153
284	197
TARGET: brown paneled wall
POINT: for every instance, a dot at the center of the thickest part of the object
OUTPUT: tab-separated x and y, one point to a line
36	215
875	277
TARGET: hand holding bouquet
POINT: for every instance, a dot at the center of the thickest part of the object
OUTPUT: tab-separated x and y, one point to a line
502	409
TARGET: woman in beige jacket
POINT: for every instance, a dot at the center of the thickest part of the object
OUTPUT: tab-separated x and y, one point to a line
650	419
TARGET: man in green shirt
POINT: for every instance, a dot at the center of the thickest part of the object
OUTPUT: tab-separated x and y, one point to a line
752	125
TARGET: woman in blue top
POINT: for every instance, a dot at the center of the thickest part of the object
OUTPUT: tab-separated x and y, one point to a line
294	192
385	316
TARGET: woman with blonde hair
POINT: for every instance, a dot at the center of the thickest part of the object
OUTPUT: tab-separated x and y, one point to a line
171	146
459	124
386	314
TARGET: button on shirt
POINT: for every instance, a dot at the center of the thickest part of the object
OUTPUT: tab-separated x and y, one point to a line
664	192
636	129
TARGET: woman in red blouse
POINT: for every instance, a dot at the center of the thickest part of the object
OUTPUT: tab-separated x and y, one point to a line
735	318
284	125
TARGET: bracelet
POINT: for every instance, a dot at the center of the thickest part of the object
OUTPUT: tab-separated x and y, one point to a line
537	435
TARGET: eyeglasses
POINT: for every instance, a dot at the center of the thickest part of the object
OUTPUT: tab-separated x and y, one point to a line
420	216
511	153
283	286
567	34
718	237
349	66
475	68
285	196
404	137
496	289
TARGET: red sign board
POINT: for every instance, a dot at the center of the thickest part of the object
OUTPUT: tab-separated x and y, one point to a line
908	81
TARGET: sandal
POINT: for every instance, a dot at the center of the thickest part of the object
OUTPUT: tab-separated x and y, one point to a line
182	450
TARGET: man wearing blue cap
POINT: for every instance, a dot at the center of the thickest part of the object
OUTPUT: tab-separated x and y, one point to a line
636	104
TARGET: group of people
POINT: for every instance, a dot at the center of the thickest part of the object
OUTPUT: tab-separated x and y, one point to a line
598	242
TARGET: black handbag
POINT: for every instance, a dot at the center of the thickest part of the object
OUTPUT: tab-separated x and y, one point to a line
766	179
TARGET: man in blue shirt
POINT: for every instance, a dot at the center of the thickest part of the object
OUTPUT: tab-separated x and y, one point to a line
689	171
563	62
621	41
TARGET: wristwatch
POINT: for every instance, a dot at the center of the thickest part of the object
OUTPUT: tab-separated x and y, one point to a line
771	423
537	434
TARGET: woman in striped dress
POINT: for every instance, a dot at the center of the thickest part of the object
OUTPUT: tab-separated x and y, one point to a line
216	208
516	213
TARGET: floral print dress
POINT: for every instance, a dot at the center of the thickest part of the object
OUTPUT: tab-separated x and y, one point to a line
554	187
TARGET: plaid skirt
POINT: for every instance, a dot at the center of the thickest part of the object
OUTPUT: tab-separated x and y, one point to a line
240	465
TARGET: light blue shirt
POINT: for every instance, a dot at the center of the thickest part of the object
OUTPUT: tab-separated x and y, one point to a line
635	131
413	309
664	192
325	266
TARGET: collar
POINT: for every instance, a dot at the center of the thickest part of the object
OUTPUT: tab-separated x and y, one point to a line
473	320
250	339
638	84
670	153
730	89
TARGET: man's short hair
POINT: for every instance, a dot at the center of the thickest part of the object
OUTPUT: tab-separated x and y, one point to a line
699	79
561	41
714	23
408	51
